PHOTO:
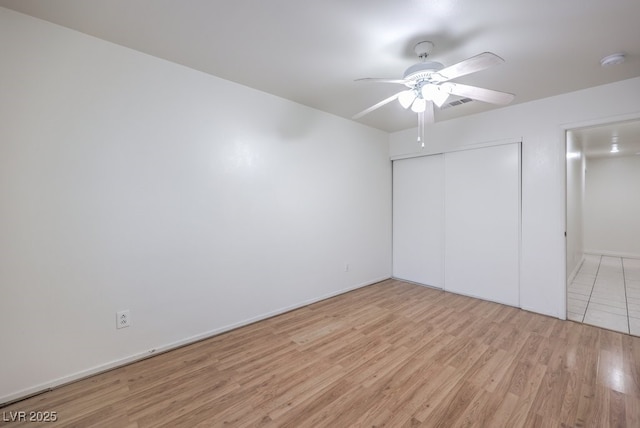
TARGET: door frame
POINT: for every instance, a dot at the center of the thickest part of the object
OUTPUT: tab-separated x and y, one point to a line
564	128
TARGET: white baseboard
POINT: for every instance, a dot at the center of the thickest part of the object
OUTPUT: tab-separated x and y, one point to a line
613	254
47	386
537	311
573	273
416	283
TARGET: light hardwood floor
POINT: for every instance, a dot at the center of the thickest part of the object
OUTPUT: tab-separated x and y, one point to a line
391	354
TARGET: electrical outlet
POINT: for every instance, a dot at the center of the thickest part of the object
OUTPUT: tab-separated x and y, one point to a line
346	267
123	319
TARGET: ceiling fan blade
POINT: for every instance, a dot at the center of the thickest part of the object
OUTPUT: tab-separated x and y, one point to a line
480	94
380	104
381	80
468	66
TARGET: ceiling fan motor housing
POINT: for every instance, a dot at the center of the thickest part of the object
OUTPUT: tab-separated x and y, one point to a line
422	71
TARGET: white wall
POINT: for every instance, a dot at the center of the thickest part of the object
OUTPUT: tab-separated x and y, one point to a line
541	125
612	206
575	201
128	182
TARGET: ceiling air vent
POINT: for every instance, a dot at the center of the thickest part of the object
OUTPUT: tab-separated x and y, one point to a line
456	103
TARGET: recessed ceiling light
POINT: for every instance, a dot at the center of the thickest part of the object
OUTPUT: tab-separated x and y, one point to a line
613	59
614	148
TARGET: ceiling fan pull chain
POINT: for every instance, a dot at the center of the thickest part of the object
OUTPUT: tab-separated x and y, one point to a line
421	129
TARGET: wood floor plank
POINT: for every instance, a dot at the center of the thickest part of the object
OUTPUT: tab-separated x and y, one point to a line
454	405
392	354
570	400
617	410
527	393
632	411
501	415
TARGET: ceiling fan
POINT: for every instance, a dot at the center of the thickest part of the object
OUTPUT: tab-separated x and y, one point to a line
429	83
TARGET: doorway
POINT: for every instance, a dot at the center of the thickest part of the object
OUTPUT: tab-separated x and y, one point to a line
603	226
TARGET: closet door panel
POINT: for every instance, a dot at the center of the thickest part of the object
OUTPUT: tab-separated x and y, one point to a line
418	219
482	223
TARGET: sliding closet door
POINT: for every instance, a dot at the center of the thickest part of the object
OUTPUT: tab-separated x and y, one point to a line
482	223
418	217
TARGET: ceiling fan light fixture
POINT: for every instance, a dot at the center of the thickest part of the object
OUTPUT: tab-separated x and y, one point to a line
429	91
419	105
435	93
406	98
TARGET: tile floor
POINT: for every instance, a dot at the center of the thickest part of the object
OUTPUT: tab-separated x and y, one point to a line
606	293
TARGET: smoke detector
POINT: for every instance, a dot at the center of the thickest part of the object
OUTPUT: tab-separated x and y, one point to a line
613	59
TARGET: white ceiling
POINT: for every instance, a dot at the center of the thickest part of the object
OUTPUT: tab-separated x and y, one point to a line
311	52
597	140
